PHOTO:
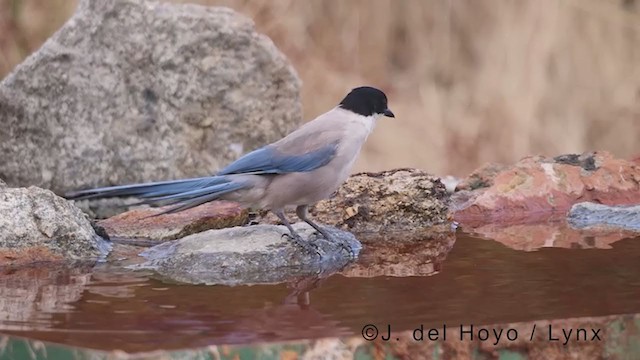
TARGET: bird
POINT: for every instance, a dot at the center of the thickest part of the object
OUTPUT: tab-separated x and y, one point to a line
299	170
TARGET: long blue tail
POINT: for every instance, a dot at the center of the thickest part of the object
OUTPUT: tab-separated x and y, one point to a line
185	194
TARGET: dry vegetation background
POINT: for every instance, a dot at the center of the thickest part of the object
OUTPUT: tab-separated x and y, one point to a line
470	81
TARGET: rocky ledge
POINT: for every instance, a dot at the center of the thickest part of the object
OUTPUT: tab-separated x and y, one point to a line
249	255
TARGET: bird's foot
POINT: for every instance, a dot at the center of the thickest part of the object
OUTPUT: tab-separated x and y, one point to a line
305	245
344	246
348	249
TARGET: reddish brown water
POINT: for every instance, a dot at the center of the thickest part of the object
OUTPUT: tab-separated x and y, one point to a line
479	282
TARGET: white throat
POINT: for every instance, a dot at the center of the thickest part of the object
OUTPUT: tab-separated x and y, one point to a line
368	123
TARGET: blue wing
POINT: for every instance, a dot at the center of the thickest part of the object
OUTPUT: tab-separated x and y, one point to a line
267	160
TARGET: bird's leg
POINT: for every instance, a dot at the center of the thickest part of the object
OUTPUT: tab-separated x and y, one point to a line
302	212
294	236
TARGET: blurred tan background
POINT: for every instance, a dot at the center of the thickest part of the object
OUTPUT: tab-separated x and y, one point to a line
470	81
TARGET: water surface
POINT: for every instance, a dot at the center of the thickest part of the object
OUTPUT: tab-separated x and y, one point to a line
476	281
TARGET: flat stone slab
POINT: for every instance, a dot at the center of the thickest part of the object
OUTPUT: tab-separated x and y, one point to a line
142	224
586	214
249	255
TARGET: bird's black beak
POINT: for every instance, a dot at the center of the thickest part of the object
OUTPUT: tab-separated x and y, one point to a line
388	113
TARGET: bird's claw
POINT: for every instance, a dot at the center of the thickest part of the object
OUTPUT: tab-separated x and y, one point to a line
348	249
341	244
307	246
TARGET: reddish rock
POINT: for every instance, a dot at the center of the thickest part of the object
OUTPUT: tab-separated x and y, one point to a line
481	177
35	254
539	188
141	224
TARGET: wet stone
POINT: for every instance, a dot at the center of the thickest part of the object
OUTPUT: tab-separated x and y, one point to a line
249	255
586	214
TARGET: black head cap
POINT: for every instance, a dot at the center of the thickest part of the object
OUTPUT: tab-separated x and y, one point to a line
366	101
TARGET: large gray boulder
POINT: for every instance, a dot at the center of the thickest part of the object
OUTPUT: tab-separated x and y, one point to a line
37	225
249	255
136	90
